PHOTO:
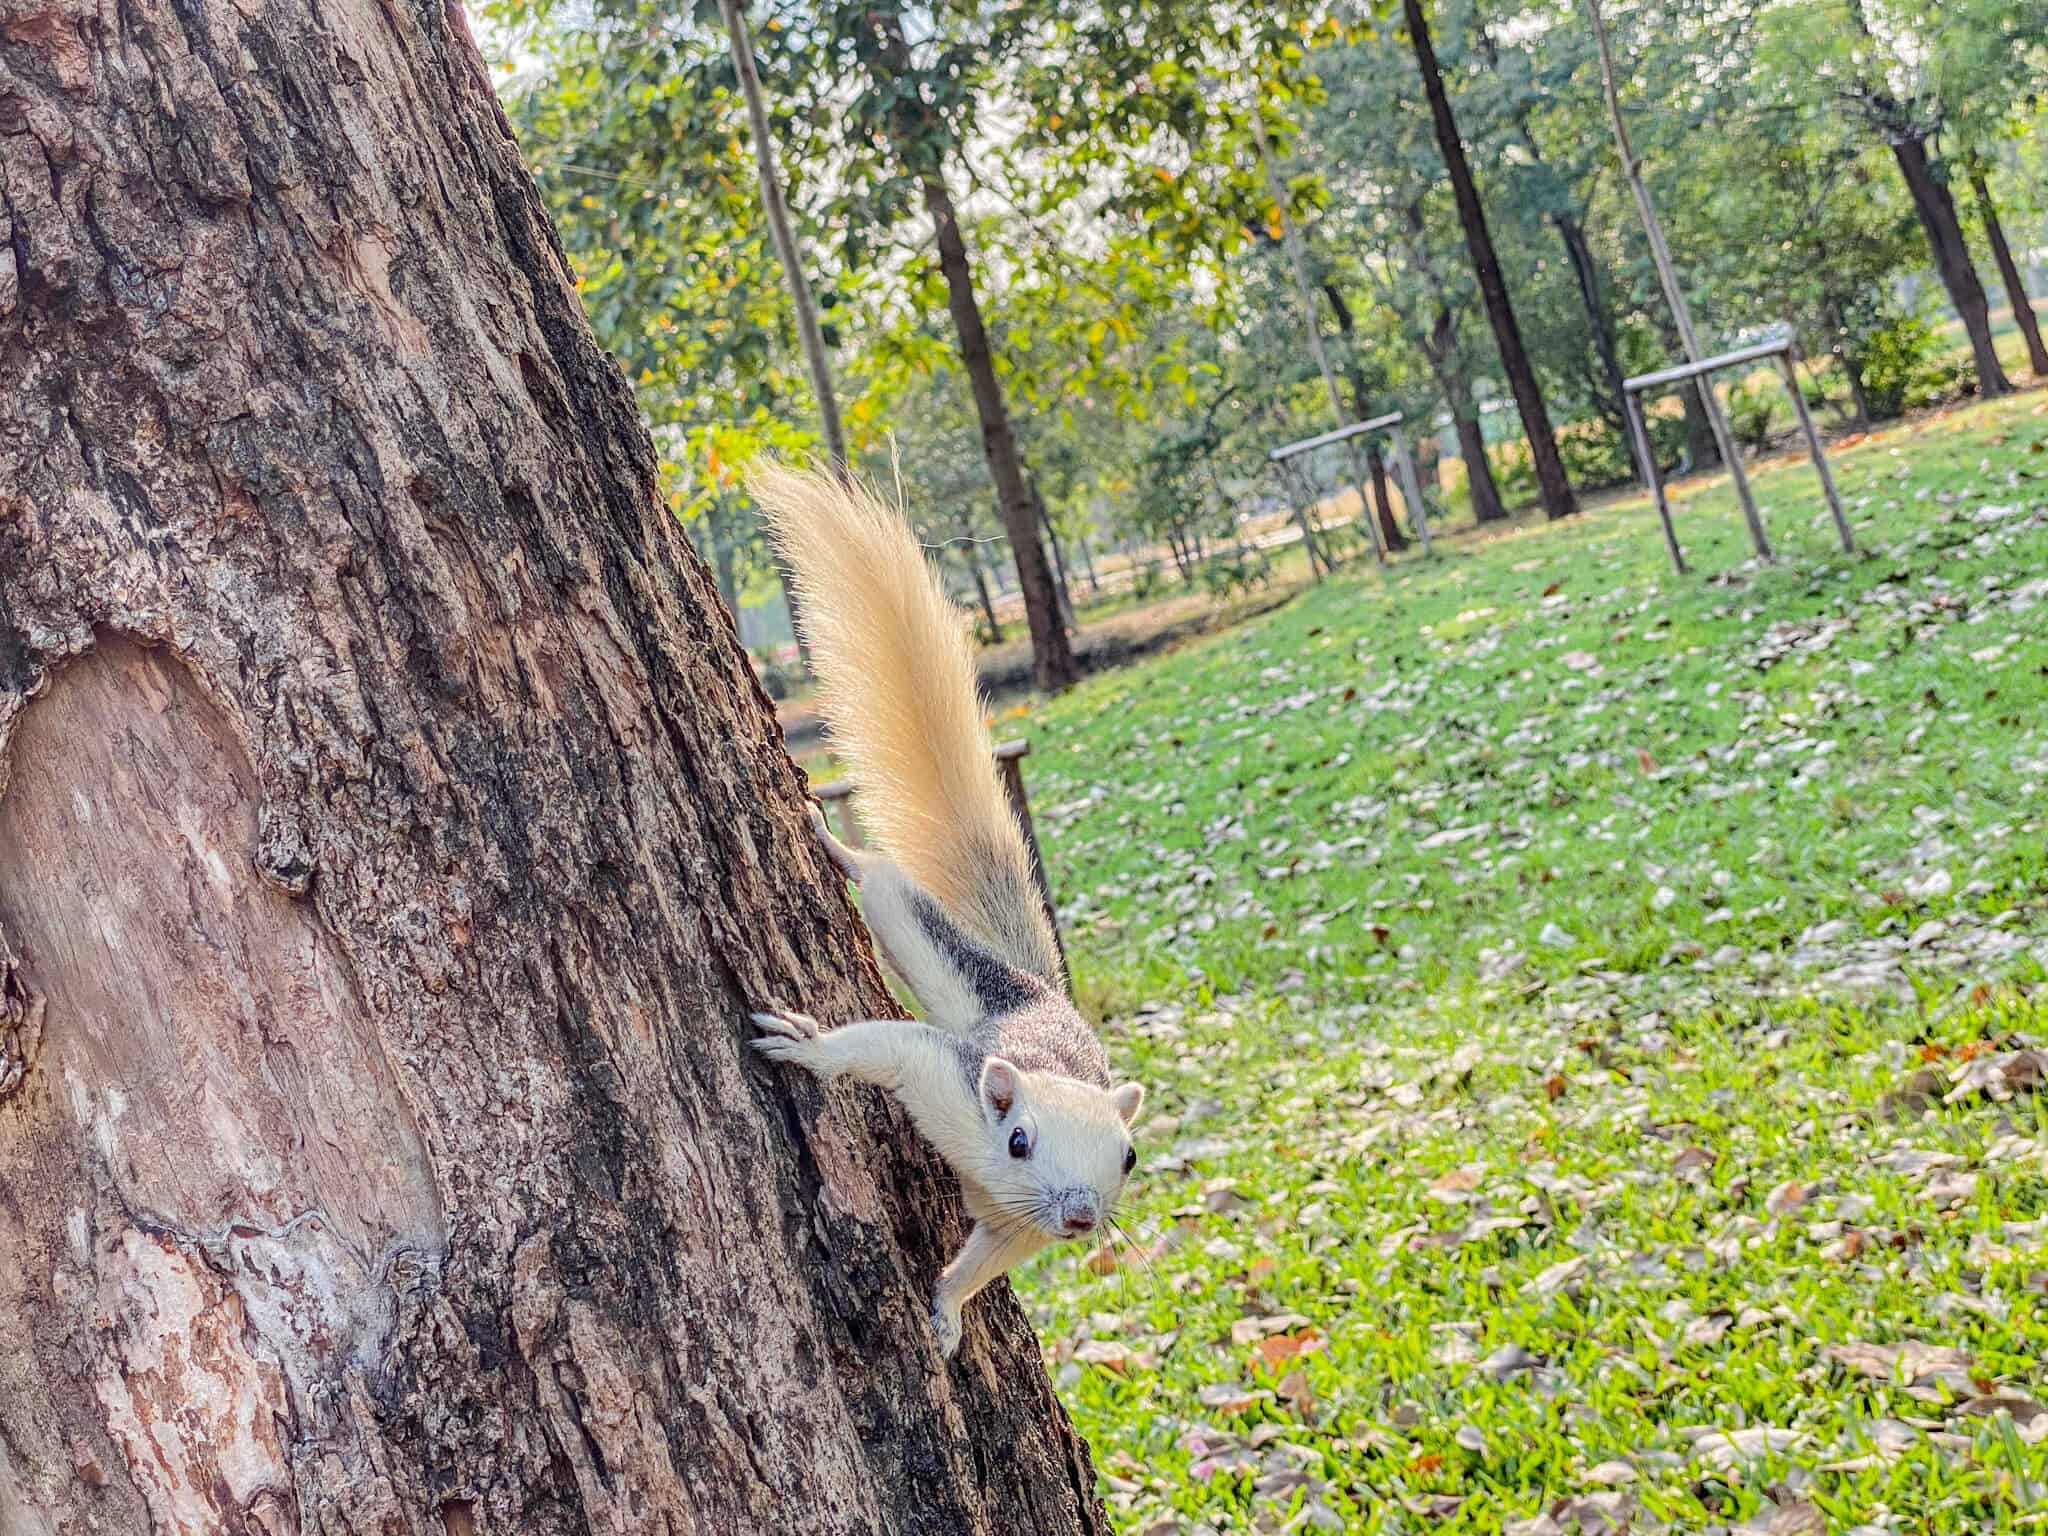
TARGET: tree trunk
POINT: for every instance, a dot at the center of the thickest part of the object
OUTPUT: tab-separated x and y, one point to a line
1586	269
1059	557
1859	396
1443	358
1700	446
1052	658
2009	273
1571	230
1944	231
809	337
1088	566
1558	500
776	208
971	548
1361	410
392	844
1382	496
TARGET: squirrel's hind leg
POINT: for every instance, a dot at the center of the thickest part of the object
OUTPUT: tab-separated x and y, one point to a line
850	864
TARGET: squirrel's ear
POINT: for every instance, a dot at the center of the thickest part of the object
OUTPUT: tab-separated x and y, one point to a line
1127	1099
998	1086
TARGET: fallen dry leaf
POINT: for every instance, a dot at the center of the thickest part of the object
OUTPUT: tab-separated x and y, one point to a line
1107	1353
1270	1353
1247	1330
1788	1196
1727	1449
1920	1368
1559	1275
1229	1399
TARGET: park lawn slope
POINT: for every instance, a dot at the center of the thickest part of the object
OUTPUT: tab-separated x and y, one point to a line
1590	1017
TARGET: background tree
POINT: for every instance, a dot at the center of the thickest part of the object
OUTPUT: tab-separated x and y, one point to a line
1558	500
1905	72
392	843
775	209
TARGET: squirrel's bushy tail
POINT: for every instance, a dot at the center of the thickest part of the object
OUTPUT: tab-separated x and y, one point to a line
897	687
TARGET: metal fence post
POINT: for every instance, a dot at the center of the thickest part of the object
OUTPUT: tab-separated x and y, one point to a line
1010	759
1646	457
1786	366
1411	485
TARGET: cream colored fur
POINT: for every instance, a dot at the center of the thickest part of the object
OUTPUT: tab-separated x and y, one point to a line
897	687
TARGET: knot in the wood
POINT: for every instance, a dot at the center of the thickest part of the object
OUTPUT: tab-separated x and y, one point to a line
21	1022
283	855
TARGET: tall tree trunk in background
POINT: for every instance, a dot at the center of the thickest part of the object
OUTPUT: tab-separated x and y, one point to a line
1059	556
1088	566
1951	251
776	208
1586	270
2009	273
392	843
1571	231
1556	489
1700	445
1442	352
725	564
970	548
1052	657
1383	496
1361	410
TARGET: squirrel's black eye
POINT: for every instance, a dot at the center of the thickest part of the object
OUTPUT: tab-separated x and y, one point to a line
1020	1144
1130	1160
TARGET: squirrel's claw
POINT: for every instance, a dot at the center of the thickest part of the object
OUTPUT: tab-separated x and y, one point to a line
946	1328
787	1023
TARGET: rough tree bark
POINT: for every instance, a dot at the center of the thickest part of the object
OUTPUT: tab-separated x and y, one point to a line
2009	273
1551	481
392	842
1951	251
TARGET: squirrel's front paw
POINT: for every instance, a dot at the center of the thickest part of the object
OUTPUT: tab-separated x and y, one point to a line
788	1022
946	1327
786	1035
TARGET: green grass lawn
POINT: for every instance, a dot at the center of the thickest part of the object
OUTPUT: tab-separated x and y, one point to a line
1588	1016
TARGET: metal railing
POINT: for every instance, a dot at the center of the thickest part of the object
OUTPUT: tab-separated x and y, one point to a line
1785	352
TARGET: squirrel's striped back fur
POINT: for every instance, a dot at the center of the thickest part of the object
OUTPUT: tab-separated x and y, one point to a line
898	690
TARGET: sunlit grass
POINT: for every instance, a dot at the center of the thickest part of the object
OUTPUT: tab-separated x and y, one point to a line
1549	972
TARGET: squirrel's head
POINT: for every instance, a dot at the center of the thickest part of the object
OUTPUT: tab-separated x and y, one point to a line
1059	1151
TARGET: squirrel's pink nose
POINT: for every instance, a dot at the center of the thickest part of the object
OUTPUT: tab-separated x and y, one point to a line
1076	1225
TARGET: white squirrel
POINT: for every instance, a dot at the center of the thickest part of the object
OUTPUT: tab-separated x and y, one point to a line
1005	1079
